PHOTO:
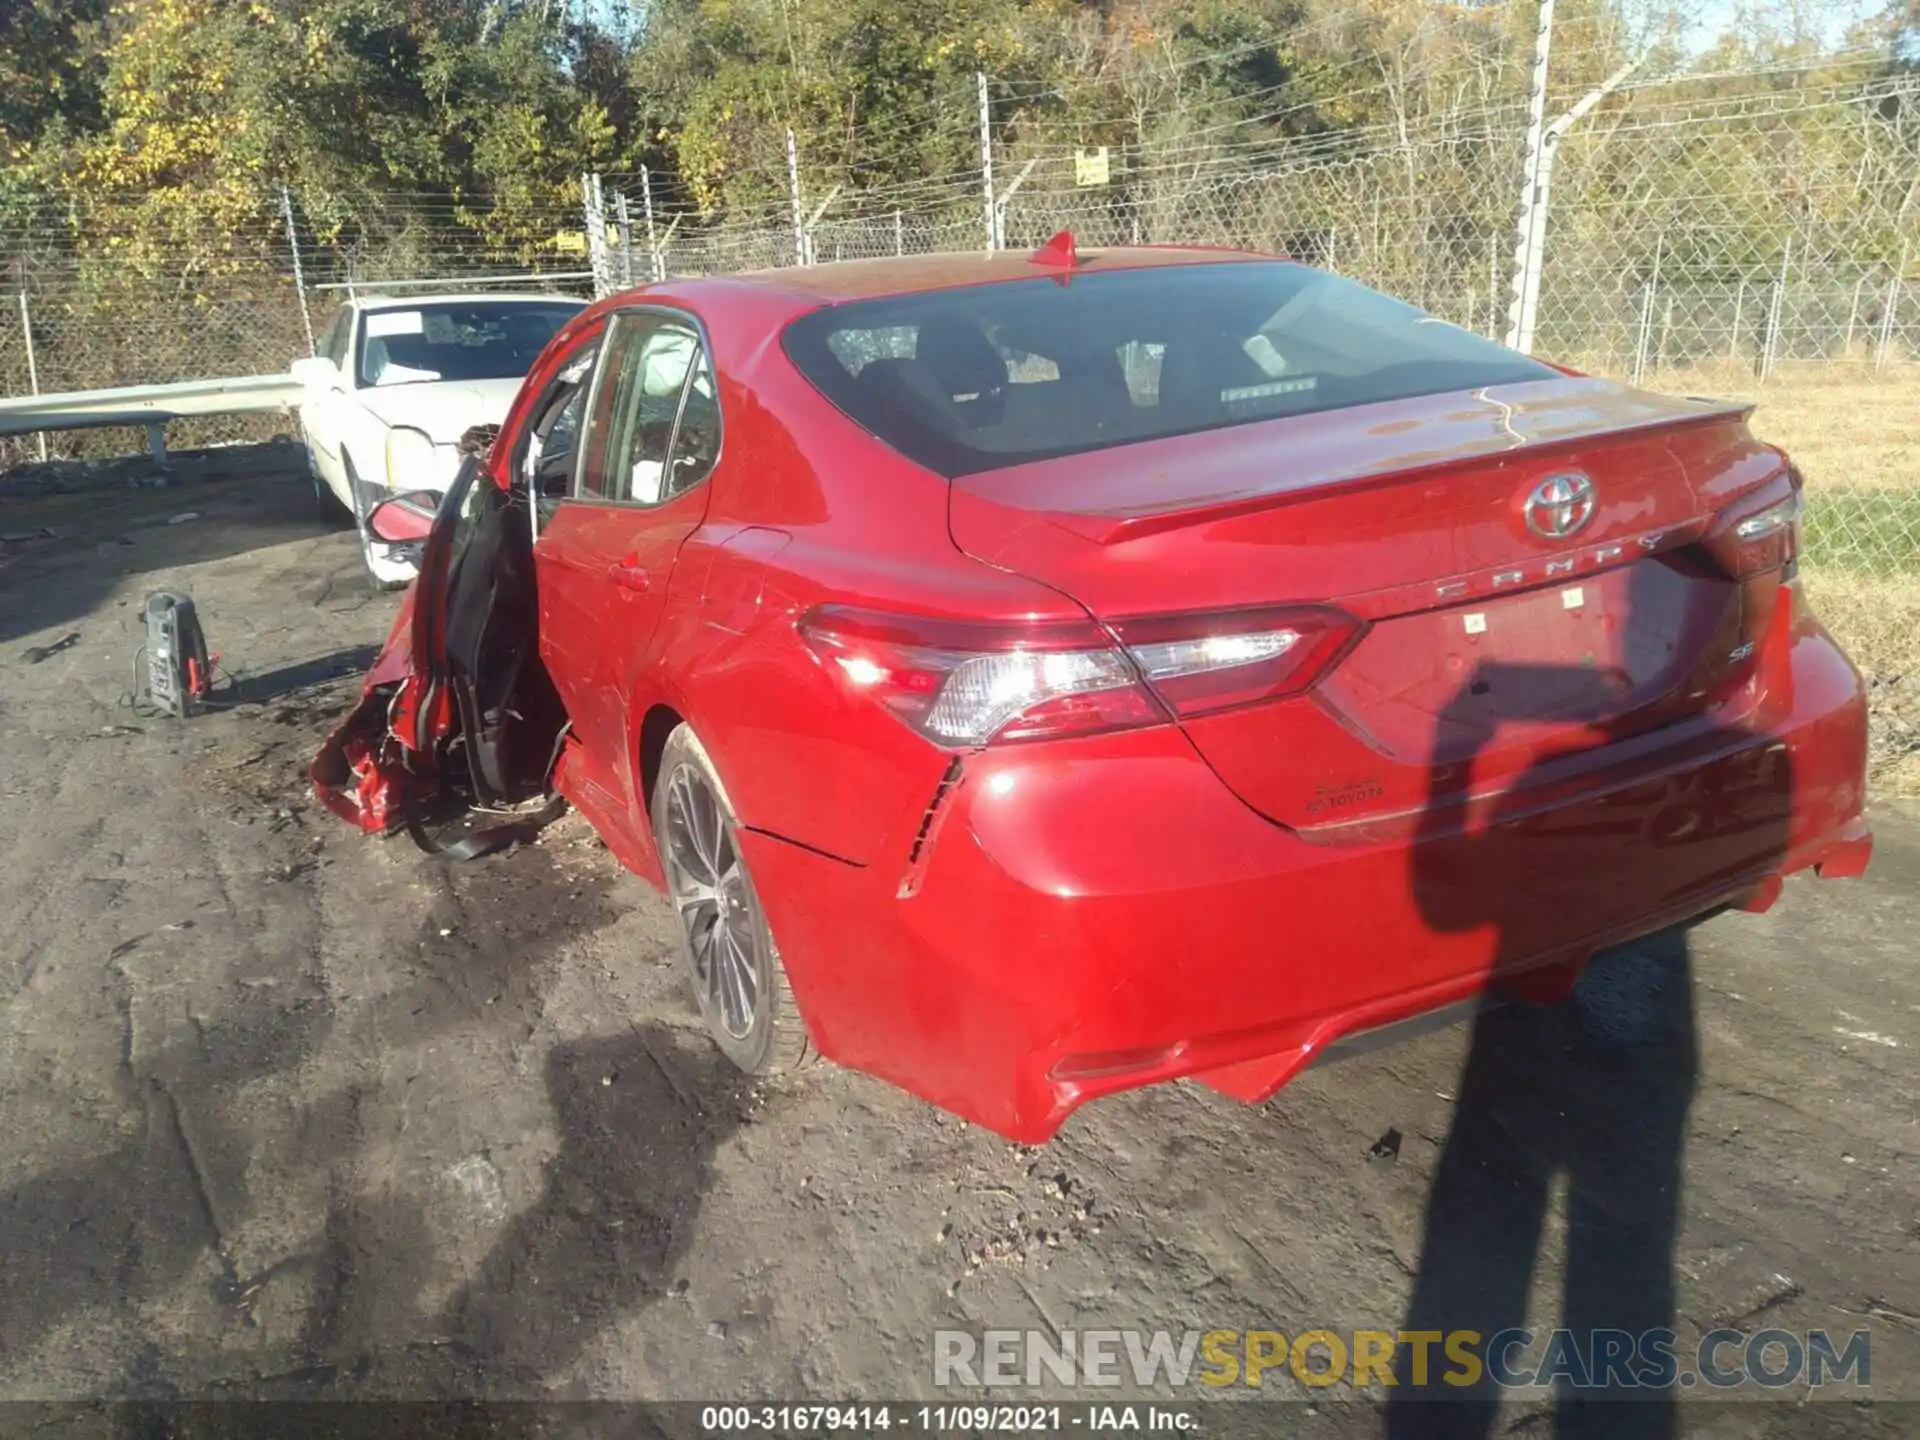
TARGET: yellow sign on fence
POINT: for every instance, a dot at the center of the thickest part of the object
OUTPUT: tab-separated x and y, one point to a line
1090	167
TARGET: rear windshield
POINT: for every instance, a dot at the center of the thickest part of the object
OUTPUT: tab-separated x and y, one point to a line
985	376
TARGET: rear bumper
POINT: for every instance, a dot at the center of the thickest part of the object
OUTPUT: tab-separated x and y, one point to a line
1084	918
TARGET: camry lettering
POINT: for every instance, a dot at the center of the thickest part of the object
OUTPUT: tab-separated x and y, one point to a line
1556	568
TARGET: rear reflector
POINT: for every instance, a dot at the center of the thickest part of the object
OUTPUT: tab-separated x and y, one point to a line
1762	897
1848	857
1105	1064
963	683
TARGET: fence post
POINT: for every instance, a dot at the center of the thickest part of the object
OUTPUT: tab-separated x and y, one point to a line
1643	342
33	368
299	272
1493	286
593	210
656	262
1733	339
986	160
626	238
586	224
899	234
793	191
1883	351
1525	241
813	223
1543	147
1853	316
1776	310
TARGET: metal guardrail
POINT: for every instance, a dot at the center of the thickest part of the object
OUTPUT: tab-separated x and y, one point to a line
148	406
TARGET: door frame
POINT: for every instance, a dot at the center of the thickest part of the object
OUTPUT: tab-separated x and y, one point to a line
548	558
699	327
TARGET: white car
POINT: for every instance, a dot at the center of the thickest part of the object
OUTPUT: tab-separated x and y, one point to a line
396	384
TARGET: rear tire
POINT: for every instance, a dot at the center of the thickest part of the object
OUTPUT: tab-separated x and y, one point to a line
726	948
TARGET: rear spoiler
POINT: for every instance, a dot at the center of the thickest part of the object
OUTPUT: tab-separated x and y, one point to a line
1310	455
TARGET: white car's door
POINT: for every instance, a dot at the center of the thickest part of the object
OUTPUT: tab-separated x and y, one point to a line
325	405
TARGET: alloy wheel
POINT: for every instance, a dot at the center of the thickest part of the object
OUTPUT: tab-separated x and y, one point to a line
714	902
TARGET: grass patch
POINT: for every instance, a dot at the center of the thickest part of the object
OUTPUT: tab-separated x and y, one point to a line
1844	424
1855	434
1872	532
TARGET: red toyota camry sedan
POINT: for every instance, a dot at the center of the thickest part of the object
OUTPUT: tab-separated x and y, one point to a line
1034	676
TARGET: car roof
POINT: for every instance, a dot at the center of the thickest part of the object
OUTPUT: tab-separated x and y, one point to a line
844	280
462	297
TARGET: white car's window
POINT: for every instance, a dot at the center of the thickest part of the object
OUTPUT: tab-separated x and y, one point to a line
456	340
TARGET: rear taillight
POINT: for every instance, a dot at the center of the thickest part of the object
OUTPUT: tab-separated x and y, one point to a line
1197	663
1759	534
962	683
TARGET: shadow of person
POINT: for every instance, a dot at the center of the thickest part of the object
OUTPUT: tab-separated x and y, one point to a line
1591	1095
640	1115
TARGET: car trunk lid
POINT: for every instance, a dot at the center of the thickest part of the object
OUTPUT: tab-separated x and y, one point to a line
1490	648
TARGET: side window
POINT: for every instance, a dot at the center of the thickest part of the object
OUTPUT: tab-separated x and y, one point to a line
549	452
696	445
655	384
334	344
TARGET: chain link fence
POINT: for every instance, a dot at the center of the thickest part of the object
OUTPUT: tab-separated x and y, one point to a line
1759	239
1761	245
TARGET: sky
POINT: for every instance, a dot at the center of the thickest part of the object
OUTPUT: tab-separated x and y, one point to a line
1829	19
1708	19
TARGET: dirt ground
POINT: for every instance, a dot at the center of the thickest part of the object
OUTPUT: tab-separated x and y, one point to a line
287	1112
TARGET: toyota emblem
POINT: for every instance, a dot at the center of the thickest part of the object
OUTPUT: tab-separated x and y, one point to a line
1559	505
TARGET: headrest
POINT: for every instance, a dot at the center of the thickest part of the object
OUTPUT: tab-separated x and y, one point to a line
407	350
